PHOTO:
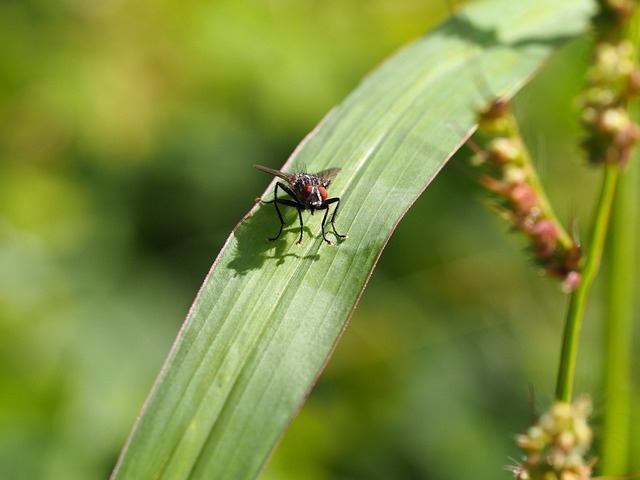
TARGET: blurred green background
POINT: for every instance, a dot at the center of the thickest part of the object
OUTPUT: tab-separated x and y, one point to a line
128	131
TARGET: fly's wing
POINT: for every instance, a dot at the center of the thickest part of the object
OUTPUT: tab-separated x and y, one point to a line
288	177
327	175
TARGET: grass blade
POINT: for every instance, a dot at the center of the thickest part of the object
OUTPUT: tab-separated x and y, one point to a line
269	314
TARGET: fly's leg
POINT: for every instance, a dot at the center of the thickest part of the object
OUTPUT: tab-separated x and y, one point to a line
333	216
324	221
275	204
299	242
289	203
333	219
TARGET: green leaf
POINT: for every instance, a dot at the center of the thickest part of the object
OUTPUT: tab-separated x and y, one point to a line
269	314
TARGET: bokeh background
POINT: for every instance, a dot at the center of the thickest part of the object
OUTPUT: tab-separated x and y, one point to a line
128	131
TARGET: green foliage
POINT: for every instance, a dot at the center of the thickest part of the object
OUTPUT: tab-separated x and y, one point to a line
129	135
269	315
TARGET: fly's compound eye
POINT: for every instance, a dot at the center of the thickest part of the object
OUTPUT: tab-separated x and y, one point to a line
323	193
306	191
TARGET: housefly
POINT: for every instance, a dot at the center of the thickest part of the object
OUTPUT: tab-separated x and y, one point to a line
308	191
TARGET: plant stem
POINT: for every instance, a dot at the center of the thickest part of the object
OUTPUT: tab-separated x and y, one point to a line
621	287
578	298
615	449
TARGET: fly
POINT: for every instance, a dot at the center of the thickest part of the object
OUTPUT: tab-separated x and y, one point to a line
309	192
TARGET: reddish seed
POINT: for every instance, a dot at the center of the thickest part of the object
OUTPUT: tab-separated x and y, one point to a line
496	109
546	234
524	197
494	185
571	281
546	230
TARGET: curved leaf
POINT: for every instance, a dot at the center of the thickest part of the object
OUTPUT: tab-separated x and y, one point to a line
269	314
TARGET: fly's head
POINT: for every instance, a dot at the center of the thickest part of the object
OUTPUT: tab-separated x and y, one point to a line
311	190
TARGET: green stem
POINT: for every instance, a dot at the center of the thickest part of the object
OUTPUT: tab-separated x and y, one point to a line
621	301
579	297
621	288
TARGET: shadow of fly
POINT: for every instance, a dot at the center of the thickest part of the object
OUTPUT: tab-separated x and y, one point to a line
308	192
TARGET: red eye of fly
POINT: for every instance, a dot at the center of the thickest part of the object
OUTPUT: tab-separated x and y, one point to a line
306	191
323	193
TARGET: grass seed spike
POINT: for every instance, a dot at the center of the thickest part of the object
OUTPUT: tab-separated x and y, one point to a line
308	191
